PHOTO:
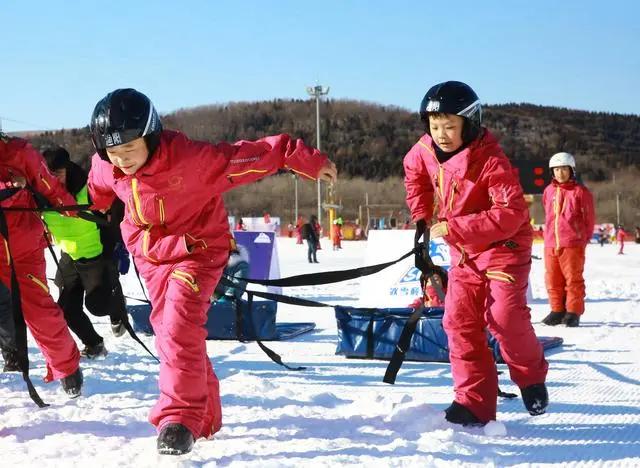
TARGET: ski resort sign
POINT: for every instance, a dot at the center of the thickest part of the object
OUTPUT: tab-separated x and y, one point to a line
398	285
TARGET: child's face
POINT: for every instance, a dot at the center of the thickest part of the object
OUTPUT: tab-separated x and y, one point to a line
562	173
129	157
446	131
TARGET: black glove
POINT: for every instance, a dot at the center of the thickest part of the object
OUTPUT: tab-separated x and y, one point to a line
121	257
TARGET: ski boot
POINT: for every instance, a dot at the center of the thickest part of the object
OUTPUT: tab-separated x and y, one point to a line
10	362
571	320
175	439
92	352
118	326
459	414
554	318
72	384
535	398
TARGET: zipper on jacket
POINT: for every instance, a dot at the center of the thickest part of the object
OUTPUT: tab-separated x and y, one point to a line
161	210
6	249
500	276
44	181
454	185
186	278
556	212
136	201
145	244
132	212
38	282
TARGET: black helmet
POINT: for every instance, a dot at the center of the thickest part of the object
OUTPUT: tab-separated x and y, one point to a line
123	116
454	97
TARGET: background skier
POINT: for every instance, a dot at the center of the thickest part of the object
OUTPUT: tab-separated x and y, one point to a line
569	221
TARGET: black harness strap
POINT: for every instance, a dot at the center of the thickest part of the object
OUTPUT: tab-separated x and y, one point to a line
425	264
275	357
402	346
327	277
127	324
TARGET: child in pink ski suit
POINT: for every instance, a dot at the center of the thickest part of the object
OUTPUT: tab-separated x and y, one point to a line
485	220
20	161
176	228
569	219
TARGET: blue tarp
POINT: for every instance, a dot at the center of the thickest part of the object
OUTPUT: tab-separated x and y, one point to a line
222	321
374	333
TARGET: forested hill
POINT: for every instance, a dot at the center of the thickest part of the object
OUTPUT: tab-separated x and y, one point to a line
370	140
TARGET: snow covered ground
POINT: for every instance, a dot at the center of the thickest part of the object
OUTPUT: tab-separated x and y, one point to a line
338	411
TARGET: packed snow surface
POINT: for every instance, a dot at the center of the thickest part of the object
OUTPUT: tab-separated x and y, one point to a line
338	411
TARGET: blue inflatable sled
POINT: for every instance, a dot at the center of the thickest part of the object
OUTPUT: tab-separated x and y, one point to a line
374	333
231	320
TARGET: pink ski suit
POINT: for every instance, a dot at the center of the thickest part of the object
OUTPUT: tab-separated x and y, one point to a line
174	198
480	197
569	220
26	246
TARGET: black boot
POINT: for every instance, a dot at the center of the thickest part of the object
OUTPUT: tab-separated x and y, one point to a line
554	318
458	414
92	352
535	398
571	320
118	325
72	384
175	439
10	361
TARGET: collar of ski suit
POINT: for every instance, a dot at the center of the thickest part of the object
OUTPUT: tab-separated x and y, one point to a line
568	185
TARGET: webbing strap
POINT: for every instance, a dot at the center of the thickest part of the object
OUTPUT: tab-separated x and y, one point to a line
275	357
402	346
326	277
425	264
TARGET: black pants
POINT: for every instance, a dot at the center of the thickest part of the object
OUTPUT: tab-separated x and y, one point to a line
312	245
7	326
97	282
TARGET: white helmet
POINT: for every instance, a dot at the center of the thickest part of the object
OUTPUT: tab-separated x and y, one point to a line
562	159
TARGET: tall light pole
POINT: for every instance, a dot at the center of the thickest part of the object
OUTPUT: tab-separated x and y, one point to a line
317	91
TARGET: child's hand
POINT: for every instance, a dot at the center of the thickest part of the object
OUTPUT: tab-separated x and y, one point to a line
328	172
440	229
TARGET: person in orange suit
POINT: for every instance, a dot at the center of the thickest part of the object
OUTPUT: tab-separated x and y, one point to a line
569	221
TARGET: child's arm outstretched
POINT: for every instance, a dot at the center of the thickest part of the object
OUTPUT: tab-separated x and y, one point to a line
224	166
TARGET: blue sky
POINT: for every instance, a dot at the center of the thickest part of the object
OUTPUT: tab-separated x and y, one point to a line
59	58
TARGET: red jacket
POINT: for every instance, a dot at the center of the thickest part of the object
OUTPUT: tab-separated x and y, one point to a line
569	215
19	158
479	195
177	195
